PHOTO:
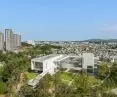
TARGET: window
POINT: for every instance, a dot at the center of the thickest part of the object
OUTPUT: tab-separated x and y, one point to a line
96	71
90	69
95	65
38	65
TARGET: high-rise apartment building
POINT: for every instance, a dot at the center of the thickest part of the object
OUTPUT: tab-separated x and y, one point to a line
12	41
18	40
9	39
15	41
1	41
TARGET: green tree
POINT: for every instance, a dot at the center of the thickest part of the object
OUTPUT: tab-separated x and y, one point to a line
64	90
81	85
103	71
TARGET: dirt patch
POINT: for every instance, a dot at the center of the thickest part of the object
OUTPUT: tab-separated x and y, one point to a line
2	95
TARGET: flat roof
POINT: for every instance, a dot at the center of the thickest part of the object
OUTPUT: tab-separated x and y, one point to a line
43	58
60	58
64	57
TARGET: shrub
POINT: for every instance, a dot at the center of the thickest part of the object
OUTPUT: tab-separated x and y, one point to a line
3	87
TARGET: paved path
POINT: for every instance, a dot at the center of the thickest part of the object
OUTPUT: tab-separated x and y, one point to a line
34	82
114	91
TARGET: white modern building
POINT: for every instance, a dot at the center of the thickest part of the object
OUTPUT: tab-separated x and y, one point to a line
51	63
45	63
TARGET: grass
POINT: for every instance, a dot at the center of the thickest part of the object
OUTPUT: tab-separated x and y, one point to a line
3	87
1	70
30	75
66	76
93	80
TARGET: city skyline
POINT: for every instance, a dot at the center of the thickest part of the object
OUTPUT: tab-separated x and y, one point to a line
9	41
60	20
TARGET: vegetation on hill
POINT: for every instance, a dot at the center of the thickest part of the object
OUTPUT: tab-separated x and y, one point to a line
61	84
81	85
15	64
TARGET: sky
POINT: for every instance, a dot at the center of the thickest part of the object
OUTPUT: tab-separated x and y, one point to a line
60	19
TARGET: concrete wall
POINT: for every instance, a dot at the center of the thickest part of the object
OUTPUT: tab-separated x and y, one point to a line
88	60
67	66
49	64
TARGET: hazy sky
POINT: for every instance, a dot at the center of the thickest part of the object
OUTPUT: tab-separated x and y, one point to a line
60	19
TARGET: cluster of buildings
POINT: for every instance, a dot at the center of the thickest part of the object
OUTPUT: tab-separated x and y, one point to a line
31	42
51	63
9	41
72	56
77	47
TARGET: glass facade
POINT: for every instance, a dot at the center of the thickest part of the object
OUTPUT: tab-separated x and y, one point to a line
90	69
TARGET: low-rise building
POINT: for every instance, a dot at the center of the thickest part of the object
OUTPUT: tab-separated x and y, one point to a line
51	63
113	59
